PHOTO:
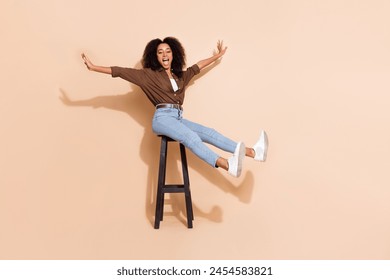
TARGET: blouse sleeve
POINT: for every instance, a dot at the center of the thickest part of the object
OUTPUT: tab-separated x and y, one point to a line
190	73
131	75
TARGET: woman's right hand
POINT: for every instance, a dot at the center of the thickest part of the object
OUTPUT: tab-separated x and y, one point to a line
93	67
87	62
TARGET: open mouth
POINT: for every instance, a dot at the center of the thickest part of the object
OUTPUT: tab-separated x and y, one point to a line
165	61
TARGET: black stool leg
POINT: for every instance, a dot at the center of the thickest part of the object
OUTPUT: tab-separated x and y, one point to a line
161	182
186	185
163	188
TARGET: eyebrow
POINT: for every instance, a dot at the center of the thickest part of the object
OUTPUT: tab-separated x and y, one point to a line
161	49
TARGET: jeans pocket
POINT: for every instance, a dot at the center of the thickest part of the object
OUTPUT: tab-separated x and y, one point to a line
164	111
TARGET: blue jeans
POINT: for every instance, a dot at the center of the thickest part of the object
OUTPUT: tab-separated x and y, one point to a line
170	122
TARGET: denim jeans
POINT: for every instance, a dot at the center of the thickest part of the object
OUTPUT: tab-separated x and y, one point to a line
170	122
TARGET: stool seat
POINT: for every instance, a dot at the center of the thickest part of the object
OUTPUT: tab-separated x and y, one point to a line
163	188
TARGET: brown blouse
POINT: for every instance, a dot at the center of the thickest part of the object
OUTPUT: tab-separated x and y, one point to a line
156	84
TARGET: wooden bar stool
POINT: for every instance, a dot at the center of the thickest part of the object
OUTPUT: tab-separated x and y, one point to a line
163	188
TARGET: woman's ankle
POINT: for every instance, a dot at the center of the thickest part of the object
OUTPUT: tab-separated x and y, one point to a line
223	163
250	152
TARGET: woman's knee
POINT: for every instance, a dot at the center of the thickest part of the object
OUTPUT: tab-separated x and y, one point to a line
190	139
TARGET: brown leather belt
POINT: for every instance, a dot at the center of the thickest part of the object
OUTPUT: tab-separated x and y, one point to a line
167	105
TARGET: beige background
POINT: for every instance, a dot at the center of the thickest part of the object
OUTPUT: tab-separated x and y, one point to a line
79	161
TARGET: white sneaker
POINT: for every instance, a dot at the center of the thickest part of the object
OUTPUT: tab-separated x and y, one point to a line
235	162
261	147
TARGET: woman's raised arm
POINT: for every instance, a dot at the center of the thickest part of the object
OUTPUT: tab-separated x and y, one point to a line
206	62
92	67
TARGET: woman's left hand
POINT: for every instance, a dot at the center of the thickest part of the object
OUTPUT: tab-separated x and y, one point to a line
216	55
221	49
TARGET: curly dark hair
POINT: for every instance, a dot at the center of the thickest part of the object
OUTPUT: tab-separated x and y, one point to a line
149	58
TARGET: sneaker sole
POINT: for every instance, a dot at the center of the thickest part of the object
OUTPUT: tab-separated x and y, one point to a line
241	154
265	146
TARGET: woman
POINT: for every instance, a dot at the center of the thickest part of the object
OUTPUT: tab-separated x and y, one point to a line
164	81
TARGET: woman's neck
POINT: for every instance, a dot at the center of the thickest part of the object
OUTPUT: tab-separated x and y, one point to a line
169	73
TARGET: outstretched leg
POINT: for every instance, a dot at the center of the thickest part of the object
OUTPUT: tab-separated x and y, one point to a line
169	122
213	137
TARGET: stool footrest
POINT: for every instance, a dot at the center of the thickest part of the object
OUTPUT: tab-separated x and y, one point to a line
173	189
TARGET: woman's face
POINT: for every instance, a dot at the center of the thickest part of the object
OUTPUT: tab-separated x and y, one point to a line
164	55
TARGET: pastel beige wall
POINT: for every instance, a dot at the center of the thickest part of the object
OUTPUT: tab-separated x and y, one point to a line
79	161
